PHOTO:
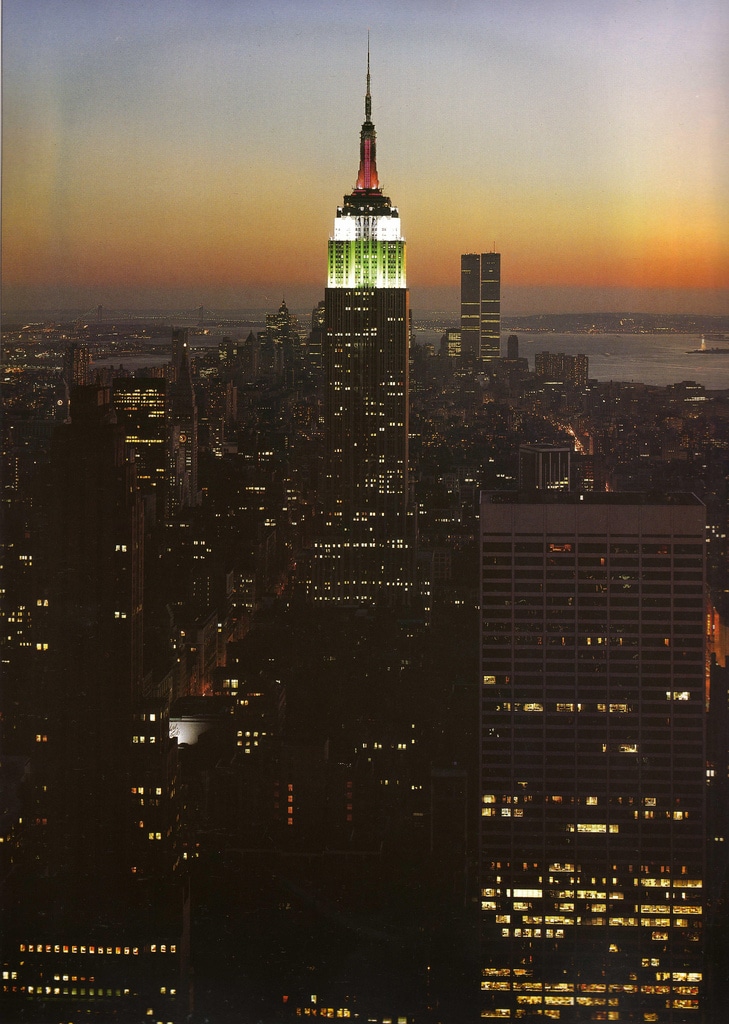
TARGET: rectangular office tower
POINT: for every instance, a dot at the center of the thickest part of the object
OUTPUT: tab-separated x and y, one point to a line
480	307
592	757
363	555
94	923
141	404
544	467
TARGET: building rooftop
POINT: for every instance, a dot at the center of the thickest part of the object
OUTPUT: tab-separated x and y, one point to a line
548	497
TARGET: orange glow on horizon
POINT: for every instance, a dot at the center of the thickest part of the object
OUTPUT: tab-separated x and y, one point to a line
244	229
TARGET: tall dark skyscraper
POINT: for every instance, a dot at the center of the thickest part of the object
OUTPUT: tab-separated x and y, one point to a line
96	891
592	757
363	554
76	364
480	307
544	467
141	404
182	488
562	368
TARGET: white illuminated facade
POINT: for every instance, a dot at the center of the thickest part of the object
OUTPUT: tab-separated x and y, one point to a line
363	554
348	227
366	251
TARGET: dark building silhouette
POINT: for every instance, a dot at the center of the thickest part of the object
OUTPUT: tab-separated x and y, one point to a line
96	896
182	490
592	756
142	408
284	342
480	307
316	337
251	357
450	344
77	365
544	467
363	553
559	367
217	415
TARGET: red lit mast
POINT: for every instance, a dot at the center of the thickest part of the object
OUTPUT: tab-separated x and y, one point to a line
367	180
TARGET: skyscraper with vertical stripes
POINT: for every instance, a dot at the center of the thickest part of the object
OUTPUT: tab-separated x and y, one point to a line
480	307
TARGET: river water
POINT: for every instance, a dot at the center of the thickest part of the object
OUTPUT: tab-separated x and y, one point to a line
646	358
658	359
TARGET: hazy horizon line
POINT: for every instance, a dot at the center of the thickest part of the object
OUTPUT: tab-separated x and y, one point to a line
78	311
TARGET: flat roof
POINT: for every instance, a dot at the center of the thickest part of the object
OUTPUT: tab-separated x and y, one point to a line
550	497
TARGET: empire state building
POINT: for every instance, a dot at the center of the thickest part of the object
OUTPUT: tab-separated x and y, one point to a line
363	555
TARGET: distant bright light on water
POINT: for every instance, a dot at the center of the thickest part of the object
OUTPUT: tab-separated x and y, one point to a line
658	359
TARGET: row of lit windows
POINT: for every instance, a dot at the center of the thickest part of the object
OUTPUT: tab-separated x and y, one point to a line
537	893
596	1000
57	990
558	933
558	798
580	920
327	1011
108	950
566	986
329	547
518	812
570	707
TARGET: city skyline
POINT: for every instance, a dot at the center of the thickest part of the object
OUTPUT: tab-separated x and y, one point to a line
345	676
155	153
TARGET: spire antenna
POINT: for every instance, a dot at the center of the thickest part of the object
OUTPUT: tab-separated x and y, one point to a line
367	177
368	97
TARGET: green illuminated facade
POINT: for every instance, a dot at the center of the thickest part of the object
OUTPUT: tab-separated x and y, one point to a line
366	263
363	554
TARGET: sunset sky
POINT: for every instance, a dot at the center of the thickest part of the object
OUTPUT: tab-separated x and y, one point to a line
172	153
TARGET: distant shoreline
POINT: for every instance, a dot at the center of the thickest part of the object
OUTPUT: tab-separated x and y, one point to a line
714	328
